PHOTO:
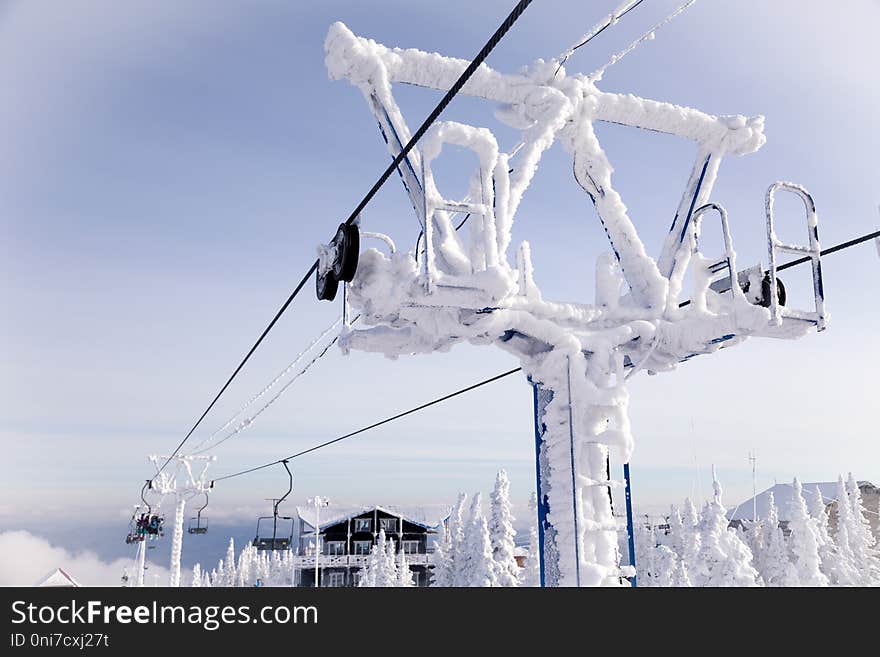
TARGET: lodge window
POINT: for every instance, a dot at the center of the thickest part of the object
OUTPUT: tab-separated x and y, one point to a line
335	547
362	547
363	524
334	579
411	547
389	524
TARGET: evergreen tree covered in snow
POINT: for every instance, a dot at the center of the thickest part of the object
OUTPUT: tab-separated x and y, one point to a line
245	562
385	568
457	526
665	563
803	542
404	573
861	538
501	533
197	576
228	570
387	575
367	575
531	574
676	531
723	559
443	572
646	545
477	565
772	561
849	572
680	576
690	537
381	568
836	565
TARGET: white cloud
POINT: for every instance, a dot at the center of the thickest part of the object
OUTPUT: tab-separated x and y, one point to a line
25	559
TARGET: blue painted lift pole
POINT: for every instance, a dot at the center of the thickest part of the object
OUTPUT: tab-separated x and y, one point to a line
540	399
629	523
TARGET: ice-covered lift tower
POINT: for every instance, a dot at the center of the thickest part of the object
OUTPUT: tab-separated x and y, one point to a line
456	288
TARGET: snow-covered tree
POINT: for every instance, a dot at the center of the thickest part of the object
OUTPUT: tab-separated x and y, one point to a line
861	539
676	531
387	575
197	576
690	537
477	565
404	572
646	544
680	576
658	564
772	561
369	571
501	533
381	569
228	571
849	572
665	563
443	573
531	573
803	542
386	567
723	559
457	525
836	565
246	560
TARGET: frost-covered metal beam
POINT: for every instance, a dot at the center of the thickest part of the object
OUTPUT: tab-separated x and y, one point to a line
365	62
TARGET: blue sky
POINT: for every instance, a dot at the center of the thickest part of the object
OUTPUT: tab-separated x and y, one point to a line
167	169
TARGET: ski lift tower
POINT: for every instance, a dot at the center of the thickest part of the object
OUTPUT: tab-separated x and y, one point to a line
183	490
467	288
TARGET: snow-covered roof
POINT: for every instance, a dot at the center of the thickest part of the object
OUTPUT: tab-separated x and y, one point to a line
429	516
782	494
58	577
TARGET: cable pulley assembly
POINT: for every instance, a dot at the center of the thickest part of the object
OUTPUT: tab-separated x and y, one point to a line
337	261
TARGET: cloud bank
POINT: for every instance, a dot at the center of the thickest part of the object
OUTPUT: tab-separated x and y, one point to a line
26	558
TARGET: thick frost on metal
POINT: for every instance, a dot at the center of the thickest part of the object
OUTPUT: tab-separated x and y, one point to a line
469	288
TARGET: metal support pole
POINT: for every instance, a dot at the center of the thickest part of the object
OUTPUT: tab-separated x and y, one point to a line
541	398
317	540
575	511
177	542
141	558
629	524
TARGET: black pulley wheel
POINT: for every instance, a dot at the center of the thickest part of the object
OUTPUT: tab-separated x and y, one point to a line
347	243
326	285
765	291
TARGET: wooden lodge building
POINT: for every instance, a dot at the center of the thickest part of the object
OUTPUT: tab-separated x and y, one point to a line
346	536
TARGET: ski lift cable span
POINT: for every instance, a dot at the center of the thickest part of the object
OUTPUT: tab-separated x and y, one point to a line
372	426
248	422
610	20
201	447
647	36
481	56
497	377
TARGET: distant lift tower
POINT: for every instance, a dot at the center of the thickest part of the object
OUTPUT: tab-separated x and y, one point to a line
184	485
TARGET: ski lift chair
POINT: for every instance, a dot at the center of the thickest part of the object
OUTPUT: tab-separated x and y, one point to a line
263	540
267	539
197	524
